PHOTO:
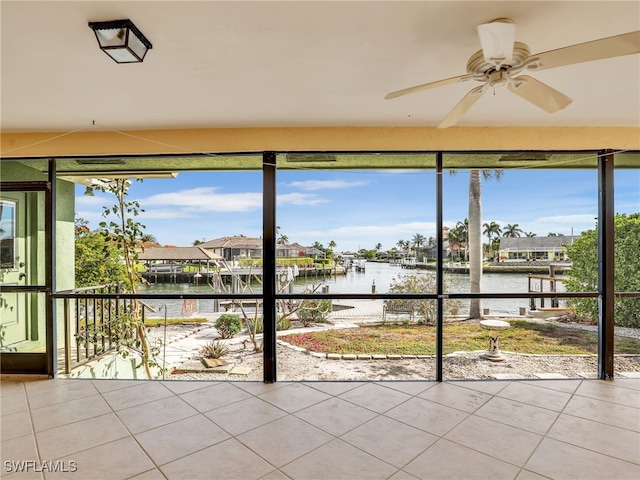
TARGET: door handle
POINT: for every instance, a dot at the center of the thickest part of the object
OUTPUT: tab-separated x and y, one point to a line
22	275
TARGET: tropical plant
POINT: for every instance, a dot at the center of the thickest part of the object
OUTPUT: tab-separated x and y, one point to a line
530	234
417	241
147	237
313	311
127	330
214	349
491	230
97	258
228	325
583	277
512	230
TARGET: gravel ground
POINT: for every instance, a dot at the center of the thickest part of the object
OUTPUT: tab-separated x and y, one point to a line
296	365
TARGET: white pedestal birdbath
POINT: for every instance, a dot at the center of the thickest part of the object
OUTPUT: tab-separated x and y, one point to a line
493	353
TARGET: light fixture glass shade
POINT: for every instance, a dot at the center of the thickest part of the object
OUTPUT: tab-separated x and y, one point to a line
497	39
121	40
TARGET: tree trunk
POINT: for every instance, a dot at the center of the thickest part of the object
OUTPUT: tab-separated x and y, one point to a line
475	242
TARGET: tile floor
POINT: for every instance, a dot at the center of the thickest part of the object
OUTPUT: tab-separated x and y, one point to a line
120	429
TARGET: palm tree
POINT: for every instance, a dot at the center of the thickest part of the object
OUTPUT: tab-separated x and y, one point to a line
332	244
400	243
147	237
283	239
530	234
475	235
457	236
490	230
418	241
378	247
512	230
464	232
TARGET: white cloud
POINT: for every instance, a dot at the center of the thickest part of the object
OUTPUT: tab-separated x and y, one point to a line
298	198
325	184
205	199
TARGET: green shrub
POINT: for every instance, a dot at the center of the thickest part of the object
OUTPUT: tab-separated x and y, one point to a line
228	325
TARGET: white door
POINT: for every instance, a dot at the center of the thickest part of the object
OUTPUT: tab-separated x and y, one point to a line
14	325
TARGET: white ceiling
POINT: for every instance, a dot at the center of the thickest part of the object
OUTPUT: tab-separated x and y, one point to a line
254	64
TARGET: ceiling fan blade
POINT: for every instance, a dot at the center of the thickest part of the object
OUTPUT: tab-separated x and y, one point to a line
540	94
462	107
616	46
427	86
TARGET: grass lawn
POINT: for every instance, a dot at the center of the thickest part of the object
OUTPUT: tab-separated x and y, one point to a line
159	322
522	337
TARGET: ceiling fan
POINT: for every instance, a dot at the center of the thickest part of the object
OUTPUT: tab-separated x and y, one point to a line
502	58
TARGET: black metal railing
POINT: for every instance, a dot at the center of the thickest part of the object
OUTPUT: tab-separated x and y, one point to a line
90	321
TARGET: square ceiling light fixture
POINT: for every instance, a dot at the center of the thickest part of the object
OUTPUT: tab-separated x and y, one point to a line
121	40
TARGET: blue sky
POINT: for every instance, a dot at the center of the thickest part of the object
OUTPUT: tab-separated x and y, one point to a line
358	209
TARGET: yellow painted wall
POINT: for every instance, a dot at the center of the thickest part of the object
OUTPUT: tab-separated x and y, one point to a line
83	143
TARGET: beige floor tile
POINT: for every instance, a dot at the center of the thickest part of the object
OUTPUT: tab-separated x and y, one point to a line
154	414
335	416
11	387
528	475
15	425
566	386
178	439
240	463
402	475
448	461
492	388
154	474
181	387
456	397
215	396
58	391
601	411
555	459
375	397
69	412
275	475
536	396
428	416
258	388
244	415
520	415
390	441
14	403
503	442
334	388
284	440
117	460
338	461
411	388
608	391
141	393
69	439
105	385
294	397
18	449
613	441
632	383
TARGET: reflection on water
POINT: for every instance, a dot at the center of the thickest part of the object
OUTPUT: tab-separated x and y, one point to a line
378	275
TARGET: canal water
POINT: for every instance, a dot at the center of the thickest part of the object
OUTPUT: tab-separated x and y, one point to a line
376	275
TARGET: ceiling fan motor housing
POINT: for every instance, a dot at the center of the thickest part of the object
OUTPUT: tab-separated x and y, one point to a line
478	66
